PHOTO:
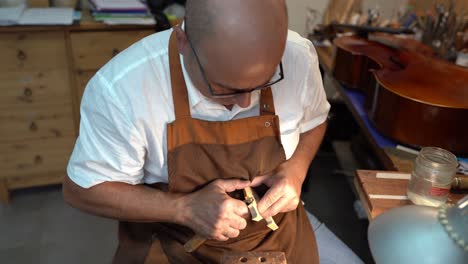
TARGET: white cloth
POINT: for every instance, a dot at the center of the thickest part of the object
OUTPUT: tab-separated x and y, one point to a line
128	103
330	248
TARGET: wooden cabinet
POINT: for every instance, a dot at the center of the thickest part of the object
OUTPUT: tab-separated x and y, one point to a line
34	122
30	157
91	50
32	51
43	74
82	78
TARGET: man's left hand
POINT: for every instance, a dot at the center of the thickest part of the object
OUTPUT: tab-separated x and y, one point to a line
285	189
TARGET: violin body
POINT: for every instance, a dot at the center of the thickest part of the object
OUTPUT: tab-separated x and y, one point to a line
411	97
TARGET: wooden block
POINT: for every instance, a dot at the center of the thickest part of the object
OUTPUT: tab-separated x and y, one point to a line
254	212
254	258
271	223
248	194
379	195
38	3
252	204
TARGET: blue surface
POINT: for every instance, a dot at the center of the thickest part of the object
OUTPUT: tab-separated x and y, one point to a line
357	100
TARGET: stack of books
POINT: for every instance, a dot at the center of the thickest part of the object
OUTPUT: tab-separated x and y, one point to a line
121	12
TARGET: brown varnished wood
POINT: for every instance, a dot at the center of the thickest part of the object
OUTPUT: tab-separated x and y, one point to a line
403	43
411	96
354	59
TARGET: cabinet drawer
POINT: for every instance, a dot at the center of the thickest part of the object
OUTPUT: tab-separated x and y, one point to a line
82	79
34	88
32	51
91	50
35	157
39	122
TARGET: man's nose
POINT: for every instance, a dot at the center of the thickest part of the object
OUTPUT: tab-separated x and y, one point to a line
243	100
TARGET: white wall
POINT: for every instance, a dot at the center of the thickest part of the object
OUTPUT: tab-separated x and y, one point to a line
297	12
298	8
388	9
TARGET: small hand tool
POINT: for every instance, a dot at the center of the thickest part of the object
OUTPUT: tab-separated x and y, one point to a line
250	193
251	200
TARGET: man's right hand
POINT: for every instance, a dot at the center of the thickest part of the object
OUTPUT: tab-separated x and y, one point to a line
212	213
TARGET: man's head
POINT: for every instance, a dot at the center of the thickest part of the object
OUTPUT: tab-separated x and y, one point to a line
238	44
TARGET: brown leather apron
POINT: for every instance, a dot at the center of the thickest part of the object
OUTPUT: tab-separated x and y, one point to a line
201	151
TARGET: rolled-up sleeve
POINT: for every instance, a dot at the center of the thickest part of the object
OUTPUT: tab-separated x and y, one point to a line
109	147
314	100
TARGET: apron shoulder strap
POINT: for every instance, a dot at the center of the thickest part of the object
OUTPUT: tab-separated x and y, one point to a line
179	88
267	106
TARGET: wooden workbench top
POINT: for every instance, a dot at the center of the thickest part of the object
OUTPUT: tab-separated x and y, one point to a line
371	188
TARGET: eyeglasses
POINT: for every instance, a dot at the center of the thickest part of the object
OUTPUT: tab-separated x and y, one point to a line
232	93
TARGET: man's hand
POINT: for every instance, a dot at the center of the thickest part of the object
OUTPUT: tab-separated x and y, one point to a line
212	213
286	181
285	189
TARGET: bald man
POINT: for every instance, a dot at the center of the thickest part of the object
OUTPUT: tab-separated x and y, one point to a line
173	128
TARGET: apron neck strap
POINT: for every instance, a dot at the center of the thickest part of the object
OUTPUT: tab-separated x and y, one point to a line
179	88
267	105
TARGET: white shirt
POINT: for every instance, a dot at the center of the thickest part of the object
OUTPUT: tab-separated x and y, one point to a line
128	103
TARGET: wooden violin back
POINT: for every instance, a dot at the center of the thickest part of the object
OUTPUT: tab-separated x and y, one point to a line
411	97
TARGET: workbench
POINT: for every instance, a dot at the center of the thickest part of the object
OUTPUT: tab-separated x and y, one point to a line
392	160
380	191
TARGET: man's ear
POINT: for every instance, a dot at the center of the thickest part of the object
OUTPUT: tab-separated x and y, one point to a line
182	41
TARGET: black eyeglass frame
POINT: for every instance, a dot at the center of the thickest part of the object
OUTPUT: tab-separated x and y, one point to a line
223	95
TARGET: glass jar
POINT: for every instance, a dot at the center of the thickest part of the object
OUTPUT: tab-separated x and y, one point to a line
432	176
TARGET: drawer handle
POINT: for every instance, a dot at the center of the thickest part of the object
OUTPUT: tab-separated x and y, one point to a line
33	126
21	55
38	159
27	92
115	51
